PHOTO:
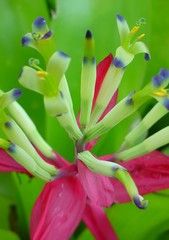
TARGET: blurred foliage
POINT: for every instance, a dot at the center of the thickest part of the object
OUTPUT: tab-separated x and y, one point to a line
73	18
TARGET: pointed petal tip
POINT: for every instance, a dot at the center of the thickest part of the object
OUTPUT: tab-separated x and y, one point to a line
158	80
62	54
166	103
39	22
88	34
147	57
47	35
120	18
12	148
16	93
140	202
25	40
164	72
8	124
118	63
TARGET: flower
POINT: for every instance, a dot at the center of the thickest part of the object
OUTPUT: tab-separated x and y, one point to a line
128	49
41	38
78	191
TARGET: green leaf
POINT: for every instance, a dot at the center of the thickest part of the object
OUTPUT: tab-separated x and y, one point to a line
152	223
5	234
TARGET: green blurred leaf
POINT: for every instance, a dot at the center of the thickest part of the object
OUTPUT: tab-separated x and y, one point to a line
4	234
152	223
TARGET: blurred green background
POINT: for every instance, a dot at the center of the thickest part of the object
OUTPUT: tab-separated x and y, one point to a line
70	19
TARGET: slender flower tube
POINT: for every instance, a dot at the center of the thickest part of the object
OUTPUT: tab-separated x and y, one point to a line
157	140
53	85
21	117
88	79
15	134
114	170
135	136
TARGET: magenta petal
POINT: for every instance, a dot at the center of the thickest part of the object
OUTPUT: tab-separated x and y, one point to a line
8	164
102	69
58	210
96	220
98	188
150	173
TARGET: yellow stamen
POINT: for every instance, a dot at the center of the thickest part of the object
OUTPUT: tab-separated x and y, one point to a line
41	74
160	93
134	29
140	37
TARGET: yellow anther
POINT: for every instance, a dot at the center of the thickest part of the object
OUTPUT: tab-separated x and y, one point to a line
134	29
140	37
41	74
160	93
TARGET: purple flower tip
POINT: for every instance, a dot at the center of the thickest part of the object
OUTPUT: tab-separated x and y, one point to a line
120	18
164	72
88	34
62	54
139	204
25	40
47	35
118	63
158	80
166	103
12	148
8	124
147	57
16	93
39	22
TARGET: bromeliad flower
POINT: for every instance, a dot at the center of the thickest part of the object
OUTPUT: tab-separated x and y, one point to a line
78	191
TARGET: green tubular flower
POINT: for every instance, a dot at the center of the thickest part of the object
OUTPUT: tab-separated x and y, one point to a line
122	110
135	136
7	100
159	83
124	55
21	117
47	82
9	97
51	83
25	160
116	171
15	134
129	47
88	78
41	38
130	104
153	142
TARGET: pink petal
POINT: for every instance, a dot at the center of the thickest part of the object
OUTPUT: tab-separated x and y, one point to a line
58	210
102	69
98	188
96	220
150	173
8	164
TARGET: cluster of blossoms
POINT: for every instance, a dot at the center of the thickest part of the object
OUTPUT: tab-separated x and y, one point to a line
79	190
